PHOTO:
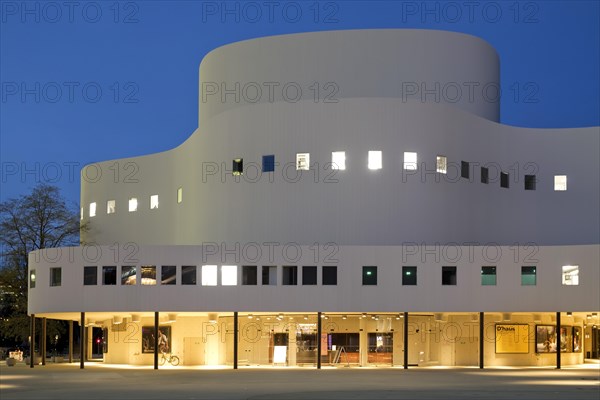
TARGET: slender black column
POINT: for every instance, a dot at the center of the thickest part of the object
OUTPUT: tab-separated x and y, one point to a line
557	340
405	340
43	346
70	341
82	341
481	340
319	329
235	340
156	340
32	341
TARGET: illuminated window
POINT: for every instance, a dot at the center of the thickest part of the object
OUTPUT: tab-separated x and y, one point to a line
238	166
168	275
449	276
375	160
369	276
504	180
128	275
81	213
441	164
209	275
153	201
560	183
229	275
133	203
90	276
570	275
268	163
488	276
303	161
111	206
188	275
32	279
55	276
179	195
528	276
92	209
530	182
410	161
338	160
148	274
409	276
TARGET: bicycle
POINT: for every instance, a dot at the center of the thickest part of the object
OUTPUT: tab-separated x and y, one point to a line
171	359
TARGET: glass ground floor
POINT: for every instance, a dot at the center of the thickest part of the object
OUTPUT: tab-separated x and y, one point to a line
353	339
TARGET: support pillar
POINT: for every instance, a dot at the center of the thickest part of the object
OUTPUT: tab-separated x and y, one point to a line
32	341
363	342
70	341
558	340
319	330
43	341
156	340
82	341
235	340
481	339
405	340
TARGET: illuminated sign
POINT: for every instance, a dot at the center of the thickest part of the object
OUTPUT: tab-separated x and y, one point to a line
512	338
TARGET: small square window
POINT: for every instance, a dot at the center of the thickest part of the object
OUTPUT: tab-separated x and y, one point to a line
188	275
410	161
90	276
504	180
149	275
249	275
111	207
92	209
109	275
269	275
209	275
302	161
485	175
290	275
560	183
168	275
55	276
329	275
570	275
465	170
488	276
154	202
128	275
179	195
449	276
229	275
369	276
309	275
238	166
441	163
32	279
375	160
338	160
81	214
409	276
268	163
133	204
530	182
528	276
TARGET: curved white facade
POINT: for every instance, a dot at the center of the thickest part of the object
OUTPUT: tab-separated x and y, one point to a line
388	91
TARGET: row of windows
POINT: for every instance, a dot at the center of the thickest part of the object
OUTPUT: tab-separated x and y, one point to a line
289	275
111	205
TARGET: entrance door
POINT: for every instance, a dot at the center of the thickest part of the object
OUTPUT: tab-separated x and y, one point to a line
193	351
381	348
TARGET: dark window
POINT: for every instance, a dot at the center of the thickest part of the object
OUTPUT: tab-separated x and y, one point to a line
168	275
329	275
32	279
55	276
109	275
268	164
90	276
528	276
249	275
503	180
369	276
238	166
464	170
488	276
448	275
188	275
309	275
409	276
485	175
529	182
269	275
128	276
290	275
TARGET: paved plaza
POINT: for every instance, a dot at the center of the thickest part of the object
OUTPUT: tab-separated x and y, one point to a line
97	381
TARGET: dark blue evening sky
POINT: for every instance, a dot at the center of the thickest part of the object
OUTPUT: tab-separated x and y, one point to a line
87	81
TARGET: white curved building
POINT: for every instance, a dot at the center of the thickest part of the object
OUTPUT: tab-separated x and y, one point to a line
350	194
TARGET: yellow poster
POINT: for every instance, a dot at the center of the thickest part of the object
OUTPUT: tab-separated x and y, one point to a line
512	338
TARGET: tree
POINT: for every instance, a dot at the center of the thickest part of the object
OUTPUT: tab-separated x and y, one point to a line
35	221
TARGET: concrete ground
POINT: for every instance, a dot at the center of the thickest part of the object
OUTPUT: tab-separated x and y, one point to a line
97	381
